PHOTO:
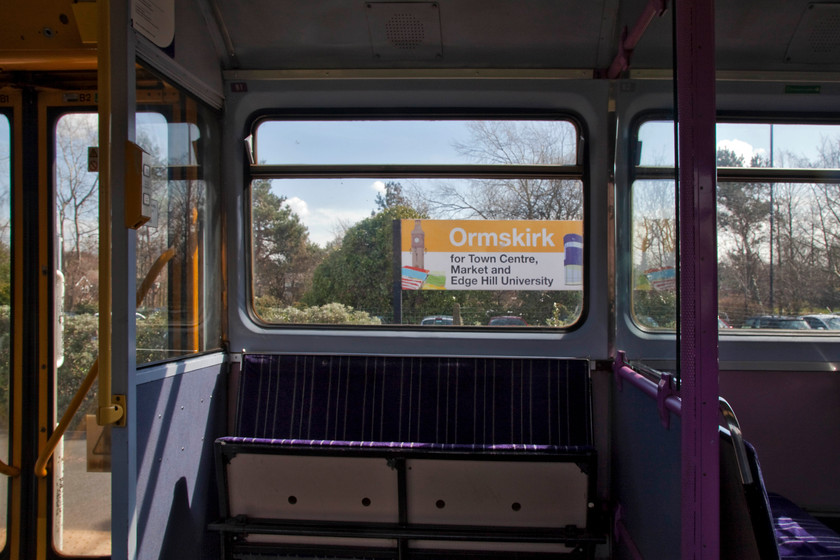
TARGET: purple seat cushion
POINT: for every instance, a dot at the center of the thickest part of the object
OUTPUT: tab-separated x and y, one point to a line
799	535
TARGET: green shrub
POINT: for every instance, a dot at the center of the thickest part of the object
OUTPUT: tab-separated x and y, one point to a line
329	314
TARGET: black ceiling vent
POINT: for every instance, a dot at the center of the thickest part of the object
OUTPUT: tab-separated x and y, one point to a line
405	30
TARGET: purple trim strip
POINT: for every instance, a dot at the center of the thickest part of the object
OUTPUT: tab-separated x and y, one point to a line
403	445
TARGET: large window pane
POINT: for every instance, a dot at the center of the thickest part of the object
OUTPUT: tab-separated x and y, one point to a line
180	313
438	142
778	233
323	246
654	251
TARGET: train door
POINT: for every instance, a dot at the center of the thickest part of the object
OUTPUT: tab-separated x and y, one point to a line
56	500
10	179
27	357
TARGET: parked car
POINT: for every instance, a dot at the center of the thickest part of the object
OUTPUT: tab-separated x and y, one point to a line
823	321
647	321
437	320
723	324
507	321
776	322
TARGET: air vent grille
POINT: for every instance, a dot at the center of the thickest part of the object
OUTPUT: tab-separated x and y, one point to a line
405	30
817	37
825	37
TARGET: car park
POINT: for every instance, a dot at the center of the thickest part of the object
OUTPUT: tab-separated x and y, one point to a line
823	321
776	322
507	321
437	320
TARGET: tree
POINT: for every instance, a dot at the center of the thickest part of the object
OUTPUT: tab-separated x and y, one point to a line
77	195
358	272
283	257
826	210
393	196
526	198
743	211
153	239
77	205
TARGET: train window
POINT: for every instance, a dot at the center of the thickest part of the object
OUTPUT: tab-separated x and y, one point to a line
778	226
400	222
5	306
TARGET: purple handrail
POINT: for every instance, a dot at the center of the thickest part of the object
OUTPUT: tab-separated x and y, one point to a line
662	392
629	39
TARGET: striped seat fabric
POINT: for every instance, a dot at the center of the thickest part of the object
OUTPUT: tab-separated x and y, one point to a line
799	535
482	402
782	529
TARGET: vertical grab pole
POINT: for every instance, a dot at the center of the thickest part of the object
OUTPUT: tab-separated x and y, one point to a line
108	412
104	105
698	272
117	101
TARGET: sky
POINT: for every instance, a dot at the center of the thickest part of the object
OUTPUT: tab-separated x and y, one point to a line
324	205
745	139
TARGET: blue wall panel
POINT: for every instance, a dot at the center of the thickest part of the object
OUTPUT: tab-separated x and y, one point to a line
646	475
178	418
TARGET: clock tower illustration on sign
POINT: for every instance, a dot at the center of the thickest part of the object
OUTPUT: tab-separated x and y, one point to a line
418	245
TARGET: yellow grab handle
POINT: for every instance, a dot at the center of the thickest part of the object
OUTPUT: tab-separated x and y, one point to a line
87	383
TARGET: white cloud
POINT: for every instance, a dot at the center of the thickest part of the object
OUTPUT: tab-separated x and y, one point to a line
379	187
298	206
740	148
324	223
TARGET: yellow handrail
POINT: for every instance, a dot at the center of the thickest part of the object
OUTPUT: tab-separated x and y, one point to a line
72	408
8	470
87	383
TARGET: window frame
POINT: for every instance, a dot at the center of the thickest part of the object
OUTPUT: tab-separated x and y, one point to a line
255	171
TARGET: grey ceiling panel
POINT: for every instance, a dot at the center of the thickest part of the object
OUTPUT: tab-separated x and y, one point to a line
281	34
772	35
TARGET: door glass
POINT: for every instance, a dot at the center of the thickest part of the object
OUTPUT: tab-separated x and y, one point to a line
5	307
81	465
